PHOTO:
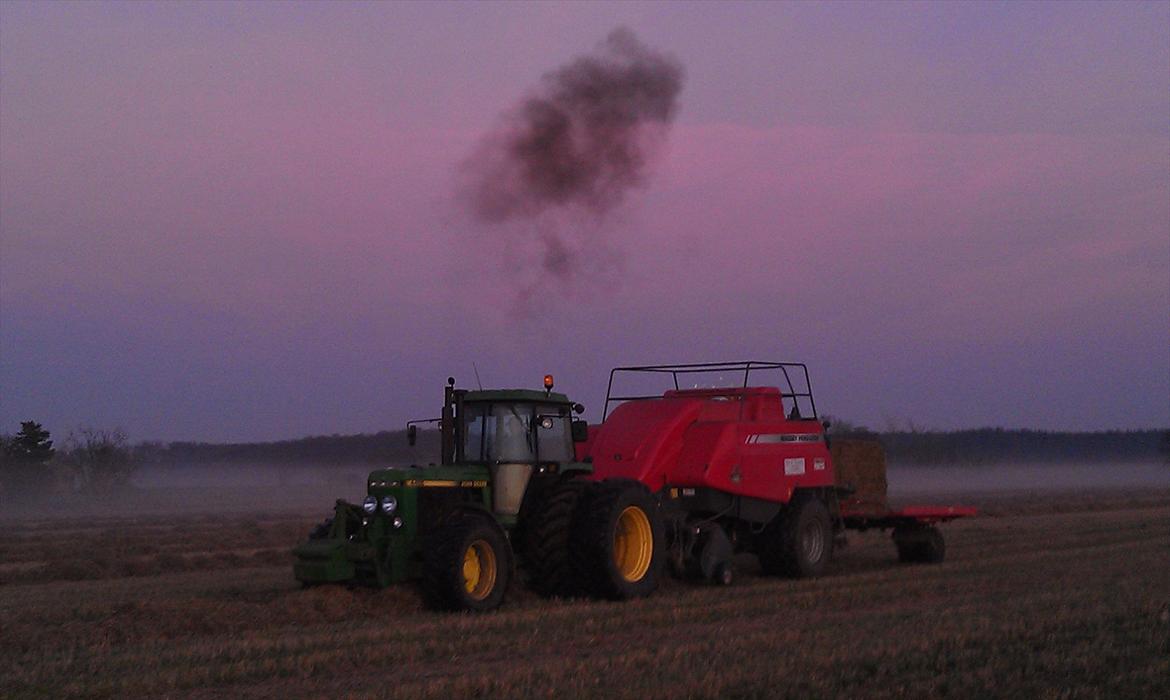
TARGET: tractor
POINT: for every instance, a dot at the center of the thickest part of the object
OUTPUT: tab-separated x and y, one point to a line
508	488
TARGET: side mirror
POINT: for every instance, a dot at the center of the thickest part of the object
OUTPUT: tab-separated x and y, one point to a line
412	434
580	431
578	408
827	424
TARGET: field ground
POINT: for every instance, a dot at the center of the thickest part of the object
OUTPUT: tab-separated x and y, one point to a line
1046	595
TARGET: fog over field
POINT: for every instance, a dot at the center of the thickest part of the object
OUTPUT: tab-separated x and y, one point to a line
918	481
272	488
258	476
312	490
237	488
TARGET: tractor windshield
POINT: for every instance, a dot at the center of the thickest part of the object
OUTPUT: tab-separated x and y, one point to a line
515	432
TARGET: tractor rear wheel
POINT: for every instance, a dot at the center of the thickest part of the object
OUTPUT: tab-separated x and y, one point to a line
799	541
617	544
546	543
469	565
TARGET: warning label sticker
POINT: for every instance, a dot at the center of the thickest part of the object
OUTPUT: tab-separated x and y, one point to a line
793	465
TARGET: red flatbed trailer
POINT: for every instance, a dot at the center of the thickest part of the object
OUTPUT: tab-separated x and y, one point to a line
920	514
745	466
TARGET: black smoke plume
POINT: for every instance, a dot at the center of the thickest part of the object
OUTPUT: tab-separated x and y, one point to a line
573	149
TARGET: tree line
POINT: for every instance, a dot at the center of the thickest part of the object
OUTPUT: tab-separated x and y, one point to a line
90	460
388	446
1001	446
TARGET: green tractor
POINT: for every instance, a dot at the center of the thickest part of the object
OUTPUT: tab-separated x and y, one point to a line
508	488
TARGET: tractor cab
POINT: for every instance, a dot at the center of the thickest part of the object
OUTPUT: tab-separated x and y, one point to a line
515	434
514	429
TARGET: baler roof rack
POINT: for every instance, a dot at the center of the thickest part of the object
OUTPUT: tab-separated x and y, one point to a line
799	369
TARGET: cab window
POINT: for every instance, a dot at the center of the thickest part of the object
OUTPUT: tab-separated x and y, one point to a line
553	435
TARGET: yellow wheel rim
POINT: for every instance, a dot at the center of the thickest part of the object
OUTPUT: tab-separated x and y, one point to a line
479	569
633	544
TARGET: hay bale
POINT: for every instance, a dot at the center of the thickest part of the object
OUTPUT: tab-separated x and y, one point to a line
860	465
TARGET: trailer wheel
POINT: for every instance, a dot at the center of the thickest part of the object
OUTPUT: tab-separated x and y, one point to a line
546	545
469	565
617	544
799	541
920	545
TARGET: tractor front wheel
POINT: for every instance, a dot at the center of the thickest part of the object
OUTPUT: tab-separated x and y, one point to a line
617	545
469	565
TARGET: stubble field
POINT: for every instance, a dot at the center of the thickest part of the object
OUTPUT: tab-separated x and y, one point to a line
1045	595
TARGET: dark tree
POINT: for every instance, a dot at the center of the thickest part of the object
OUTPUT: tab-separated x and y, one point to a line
23	458
32	443
101	459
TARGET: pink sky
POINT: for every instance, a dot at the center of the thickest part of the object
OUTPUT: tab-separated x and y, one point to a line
235	222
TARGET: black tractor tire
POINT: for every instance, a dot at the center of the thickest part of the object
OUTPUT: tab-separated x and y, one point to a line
798	543
546	542
321	530
468	565
920	545
617	544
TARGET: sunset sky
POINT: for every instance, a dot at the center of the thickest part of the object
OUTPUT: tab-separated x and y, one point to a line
240	222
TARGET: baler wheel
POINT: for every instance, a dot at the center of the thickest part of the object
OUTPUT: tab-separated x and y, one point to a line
617	545
799	542
469	566
546	546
